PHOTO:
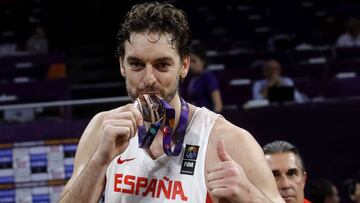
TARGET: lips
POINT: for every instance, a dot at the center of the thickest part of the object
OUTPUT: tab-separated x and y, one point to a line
149	93
288	198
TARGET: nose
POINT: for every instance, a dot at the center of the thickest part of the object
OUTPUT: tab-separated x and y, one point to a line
149	77
283	183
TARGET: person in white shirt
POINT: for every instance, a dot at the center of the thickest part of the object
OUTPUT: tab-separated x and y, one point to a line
273	78
351	37
192	154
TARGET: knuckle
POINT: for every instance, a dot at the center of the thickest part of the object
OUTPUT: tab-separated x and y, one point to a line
127	130
232	171
128	106
106	131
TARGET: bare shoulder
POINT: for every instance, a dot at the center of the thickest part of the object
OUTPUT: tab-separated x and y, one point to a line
234	136
245	151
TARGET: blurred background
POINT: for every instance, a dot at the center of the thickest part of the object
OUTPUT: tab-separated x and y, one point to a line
57	70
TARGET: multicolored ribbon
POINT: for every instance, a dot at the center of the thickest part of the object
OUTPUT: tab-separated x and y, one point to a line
146	138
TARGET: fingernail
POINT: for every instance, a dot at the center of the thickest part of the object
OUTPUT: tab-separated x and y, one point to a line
140	122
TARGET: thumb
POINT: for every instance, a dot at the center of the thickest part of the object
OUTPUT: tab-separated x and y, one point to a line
222	153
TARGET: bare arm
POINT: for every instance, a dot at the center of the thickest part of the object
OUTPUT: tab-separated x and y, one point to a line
86	186
216	99
106	136
87	181
237	169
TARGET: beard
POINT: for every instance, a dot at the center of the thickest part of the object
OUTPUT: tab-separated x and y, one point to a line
168	97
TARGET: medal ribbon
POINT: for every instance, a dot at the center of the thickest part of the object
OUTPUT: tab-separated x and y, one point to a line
146	138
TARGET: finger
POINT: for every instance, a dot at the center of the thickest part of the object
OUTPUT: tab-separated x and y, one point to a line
214	168
122	123
131	108
221	192
137	114
128	115
220	183
117	132
215	175
222	153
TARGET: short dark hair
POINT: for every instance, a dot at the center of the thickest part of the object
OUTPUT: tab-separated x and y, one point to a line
319	189
350	184
156	17
281	146
199	50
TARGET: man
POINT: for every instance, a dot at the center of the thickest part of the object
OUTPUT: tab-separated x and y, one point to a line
350	38
203	88
288	169
322	191
352	187
273	79
209	166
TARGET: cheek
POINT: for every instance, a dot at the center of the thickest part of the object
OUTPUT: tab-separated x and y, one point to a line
300	183
133	77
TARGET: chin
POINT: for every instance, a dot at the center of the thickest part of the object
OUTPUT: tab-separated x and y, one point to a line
290	200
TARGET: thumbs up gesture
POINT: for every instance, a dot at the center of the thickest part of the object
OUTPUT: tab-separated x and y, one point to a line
227	179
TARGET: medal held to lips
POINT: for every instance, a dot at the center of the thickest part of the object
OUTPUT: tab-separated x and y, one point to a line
158	112
151	107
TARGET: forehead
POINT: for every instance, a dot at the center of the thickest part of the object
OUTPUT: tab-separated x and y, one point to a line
283	161
149	45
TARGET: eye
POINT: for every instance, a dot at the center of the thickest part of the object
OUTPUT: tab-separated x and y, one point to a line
136	65
276	174
292	173
163	66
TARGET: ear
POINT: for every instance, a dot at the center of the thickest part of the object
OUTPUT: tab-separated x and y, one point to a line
304	179
305	176
122	69
185	67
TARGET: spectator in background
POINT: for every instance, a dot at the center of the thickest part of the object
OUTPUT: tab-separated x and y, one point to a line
203	88
352	187
322	191
288	168
38	42
351	37
273	78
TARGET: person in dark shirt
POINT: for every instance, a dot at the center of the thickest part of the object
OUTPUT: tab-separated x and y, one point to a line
203	88
322	191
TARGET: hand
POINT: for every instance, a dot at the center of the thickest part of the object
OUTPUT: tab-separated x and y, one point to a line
117	128
228	180
275	81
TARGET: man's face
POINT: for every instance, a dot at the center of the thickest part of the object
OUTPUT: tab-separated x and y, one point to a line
290	178
356	196
271	70
151	64
197	65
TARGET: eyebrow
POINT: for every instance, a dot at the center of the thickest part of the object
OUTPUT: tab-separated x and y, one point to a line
293	170
277	172
132	58
162	59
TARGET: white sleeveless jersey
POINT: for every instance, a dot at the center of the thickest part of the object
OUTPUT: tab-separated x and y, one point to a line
134	176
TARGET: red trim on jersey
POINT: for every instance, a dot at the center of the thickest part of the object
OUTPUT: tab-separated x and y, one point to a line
208	198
